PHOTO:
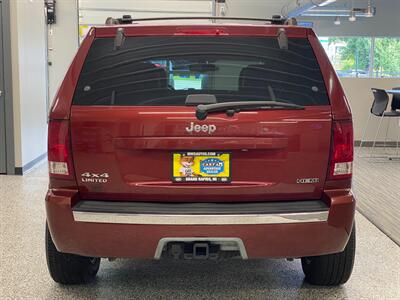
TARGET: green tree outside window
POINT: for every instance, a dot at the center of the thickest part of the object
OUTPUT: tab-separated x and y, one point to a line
354	56
351	56
387	57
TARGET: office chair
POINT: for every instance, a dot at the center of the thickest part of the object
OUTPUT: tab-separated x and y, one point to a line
395	100
378	108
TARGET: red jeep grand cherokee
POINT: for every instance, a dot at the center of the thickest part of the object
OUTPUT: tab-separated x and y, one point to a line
201	141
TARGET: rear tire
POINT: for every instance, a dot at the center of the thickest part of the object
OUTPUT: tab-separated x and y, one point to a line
67	268
332	269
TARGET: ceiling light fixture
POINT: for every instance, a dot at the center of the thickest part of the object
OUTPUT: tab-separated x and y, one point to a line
327	2
337	21
295	8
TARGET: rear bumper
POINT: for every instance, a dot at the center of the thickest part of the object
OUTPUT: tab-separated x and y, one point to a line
92	229
256	213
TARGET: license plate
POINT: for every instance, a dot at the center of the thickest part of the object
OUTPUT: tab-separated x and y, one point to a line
200	166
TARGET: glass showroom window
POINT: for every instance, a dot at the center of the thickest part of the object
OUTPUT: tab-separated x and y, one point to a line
350	56
386	57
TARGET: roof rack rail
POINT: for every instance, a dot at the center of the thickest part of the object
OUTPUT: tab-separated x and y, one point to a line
127	19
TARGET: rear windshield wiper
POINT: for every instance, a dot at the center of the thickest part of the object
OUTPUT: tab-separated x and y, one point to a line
231	108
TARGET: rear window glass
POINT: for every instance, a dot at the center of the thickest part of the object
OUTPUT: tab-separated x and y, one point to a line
163	71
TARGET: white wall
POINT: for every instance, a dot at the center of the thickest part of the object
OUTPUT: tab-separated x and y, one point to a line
29	66
385	23
28	42
63	42
95	12
254	8
358	91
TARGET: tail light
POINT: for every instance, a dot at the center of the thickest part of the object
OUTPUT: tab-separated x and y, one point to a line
59	150
342	151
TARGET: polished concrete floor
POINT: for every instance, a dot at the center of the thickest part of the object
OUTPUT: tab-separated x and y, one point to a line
24	275
376	185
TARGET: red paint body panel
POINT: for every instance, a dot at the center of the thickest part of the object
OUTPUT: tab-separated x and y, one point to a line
140	241
270	151
340	106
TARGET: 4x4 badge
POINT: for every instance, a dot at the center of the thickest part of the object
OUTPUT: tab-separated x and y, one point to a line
95	177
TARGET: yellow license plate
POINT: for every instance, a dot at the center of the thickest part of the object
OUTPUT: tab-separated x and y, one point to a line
201	166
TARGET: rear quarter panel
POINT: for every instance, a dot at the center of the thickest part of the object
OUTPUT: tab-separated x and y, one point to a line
340	106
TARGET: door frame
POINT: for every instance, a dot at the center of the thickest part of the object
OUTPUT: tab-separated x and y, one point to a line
8	97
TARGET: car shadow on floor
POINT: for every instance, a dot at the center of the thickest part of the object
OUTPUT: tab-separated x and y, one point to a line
230	279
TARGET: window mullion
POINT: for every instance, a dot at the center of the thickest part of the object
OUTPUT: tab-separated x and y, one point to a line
372	57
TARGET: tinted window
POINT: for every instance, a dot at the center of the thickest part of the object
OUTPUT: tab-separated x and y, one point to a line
164	70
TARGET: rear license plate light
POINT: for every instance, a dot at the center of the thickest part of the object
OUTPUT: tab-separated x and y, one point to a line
343	168
58	168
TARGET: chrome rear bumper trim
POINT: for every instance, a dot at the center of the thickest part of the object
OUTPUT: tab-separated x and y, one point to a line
206	219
